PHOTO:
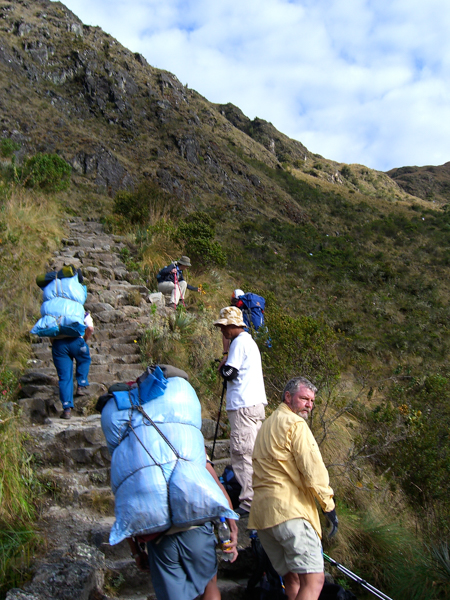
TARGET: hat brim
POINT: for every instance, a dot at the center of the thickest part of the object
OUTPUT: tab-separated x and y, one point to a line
225	322
220	322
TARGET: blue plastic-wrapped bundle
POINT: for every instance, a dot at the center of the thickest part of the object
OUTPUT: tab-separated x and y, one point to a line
62	309
158	471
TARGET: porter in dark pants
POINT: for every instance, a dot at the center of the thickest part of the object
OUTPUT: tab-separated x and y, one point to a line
64	352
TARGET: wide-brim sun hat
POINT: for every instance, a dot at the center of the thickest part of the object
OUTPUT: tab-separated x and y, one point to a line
230	315
185	261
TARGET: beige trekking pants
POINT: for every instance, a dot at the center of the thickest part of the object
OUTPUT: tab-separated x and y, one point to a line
168	287
245	423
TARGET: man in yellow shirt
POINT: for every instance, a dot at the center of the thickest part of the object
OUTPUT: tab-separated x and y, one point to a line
289	475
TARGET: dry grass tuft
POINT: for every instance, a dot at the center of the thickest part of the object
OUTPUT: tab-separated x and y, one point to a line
30	231
102	502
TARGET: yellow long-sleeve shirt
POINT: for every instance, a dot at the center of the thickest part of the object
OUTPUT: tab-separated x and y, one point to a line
288	473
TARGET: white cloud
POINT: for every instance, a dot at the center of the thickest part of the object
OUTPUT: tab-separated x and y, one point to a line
360	81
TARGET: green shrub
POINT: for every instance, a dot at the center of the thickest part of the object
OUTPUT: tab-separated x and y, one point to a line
117	224
48	172
348	174
197	232
146	205
198	225
8	147
206	252
408	435
300	346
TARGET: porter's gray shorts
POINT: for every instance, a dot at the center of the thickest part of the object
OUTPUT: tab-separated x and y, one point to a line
182	564
293	547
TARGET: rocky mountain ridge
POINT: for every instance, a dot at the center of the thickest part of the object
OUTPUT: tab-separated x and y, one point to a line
428	182
74	90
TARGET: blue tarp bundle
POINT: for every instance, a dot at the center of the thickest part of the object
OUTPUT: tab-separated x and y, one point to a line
62	309
153	487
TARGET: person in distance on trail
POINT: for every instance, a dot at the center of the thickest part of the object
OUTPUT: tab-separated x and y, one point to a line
246	397
171	280
235	297
288	476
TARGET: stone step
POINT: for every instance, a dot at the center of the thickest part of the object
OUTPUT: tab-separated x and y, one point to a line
100	356
104	359
120	376
89	488
82	226
40	404
43	353
74	445
116	349
110	338
100	499
97	240
134	584
117	331
96	370
124	286
221	450
34	363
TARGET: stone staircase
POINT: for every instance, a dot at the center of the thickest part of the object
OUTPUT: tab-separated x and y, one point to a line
72	457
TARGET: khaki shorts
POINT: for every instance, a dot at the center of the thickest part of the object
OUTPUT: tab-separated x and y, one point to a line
293	547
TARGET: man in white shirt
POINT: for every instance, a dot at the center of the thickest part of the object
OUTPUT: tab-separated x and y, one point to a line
246	398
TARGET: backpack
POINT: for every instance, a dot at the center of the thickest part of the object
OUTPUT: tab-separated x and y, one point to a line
252	310
264	583
67	271
165	274
158	474
252	307
231	484
62	308
159	276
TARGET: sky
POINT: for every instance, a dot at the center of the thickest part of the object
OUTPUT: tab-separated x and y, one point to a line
357	81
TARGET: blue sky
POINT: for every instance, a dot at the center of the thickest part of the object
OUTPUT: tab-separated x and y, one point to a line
357	81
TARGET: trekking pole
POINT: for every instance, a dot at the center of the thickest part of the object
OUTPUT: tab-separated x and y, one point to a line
367	586
224	387
178	284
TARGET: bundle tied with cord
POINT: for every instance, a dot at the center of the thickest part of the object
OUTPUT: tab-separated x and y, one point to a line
62	309
158	472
